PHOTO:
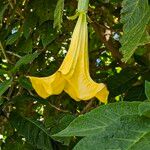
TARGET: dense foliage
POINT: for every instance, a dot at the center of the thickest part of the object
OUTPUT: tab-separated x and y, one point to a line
34	39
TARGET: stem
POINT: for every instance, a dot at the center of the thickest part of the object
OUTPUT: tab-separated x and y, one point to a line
11	53
10	3
3	51
59	109
87	107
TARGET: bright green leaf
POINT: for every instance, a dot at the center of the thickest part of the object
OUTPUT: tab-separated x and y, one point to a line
99	119
58	14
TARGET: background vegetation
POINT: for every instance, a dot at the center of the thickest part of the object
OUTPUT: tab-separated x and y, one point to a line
34	38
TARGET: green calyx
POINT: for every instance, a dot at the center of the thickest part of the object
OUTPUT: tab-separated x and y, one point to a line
82	8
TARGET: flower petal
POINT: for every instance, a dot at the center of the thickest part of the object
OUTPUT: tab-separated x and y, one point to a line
46	86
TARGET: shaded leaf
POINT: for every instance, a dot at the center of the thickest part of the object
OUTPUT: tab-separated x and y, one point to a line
135	93
12	38
44	9
47	33
147	89
32	130
2	11
25	45
25	83
62	124
29	24
4	86
122	81
25	60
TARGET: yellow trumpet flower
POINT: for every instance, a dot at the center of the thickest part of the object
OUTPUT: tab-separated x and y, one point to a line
73	75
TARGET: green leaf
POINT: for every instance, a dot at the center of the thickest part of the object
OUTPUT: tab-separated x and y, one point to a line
25	45
114	126
4	86
1	101
135	17
144	109
25	60
121	82
44	9
2	11
47	33
34	131
62	124
25	83
29	24
147	89
58	14
130	133
12	38
16	143
2	72
99	119
135	93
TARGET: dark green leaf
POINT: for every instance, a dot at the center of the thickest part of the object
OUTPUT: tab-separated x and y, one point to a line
135	93
12	38
29	24
62	124
147	89
25	45
47	33
44	9
4	86
25	83
2	11
25	60
121	82
2	72
32	130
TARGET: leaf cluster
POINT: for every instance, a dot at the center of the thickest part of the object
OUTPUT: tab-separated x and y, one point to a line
34	39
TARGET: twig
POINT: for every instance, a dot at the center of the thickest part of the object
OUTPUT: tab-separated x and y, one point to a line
10	91
87	107
3	51
10	3
57	108
100	31
11	53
